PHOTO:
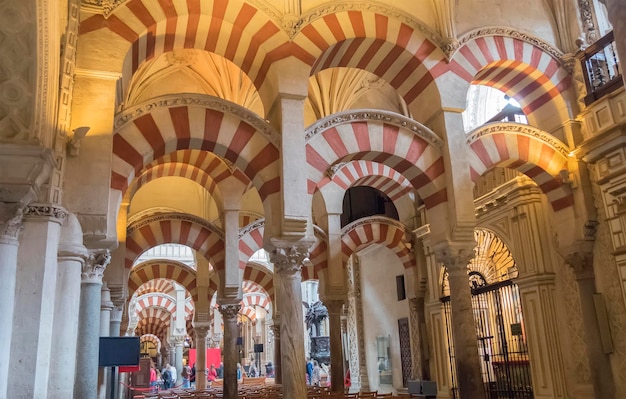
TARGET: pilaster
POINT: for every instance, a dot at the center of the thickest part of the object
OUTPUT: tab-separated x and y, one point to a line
356	330
601	372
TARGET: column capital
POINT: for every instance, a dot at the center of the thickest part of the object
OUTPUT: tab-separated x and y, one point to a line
179	340
455	256
93	269
50	212
229	311
288	260
580	257
11	215
201	328
334	305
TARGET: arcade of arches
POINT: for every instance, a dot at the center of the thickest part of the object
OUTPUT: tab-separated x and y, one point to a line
446	178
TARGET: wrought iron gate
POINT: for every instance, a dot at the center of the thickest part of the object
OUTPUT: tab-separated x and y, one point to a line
501	340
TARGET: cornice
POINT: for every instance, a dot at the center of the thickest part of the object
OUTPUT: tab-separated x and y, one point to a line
103	7
198	100
388	117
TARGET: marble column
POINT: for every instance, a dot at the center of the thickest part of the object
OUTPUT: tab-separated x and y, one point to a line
86	386
106	305
35	295
334	307
599	362
287	268
468	369
10	226
71	257
356	329
229	313
179	340
278	375
202	330
417	319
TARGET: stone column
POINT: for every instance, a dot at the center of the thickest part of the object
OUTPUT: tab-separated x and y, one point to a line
278	375
71	257
336	347
417	322
469	379
35	295
10	226
201	329
116	322
86	386
178	353
599	362
288	265
229	313
106	305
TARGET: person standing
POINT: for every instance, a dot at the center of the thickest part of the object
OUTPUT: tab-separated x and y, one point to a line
186	374
316	374
309	370
212	374
174	375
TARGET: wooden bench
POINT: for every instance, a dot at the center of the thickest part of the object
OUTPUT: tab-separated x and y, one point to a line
253	381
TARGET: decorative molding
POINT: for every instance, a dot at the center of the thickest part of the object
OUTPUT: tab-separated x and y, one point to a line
55	212
517	128
333	169
93	268
588	23
422	232
96	74
94	226
173	216
507	32
199	100
104	7
374	116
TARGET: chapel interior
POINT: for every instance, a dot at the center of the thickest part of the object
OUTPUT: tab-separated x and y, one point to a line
403	191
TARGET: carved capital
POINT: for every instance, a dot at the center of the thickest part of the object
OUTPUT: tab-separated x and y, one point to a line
10	221
582	263
117	313
275	330
52	212
229	311
94	267
455	257
178	340
289	260
202	330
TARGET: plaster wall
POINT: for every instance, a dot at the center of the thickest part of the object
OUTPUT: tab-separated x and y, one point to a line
177	193
528	16
381	310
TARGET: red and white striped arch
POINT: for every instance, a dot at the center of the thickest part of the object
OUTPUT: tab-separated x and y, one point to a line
175	228
167	129
372	174
189	306
399	148
361	234
249	312
163	269
234	29
384	46
156	300
250	241
318	255
159	285
523	71
261	277
256	299
520	147
152	325
151	338
247	218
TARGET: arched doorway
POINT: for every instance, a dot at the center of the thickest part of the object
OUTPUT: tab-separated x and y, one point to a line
497	307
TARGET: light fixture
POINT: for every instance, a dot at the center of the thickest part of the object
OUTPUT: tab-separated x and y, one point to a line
73	142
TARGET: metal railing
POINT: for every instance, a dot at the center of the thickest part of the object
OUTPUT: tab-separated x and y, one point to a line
601	68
